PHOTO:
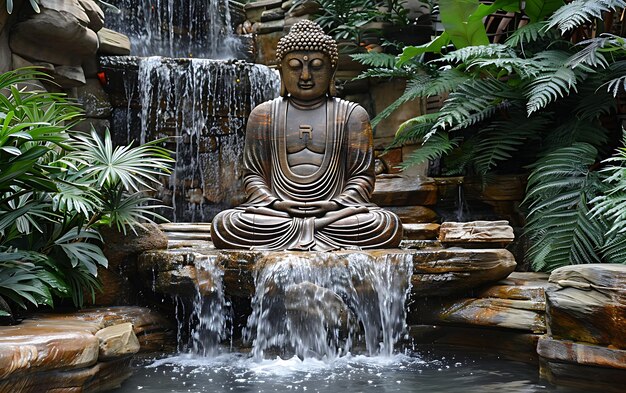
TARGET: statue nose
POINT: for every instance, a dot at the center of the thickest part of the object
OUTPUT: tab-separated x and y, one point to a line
305	75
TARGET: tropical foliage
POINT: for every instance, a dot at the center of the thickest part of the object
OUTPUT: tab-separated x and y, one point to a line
544	100
57	187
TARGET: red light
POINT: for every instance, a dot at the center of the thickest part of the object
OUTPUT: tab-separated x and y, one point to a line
102	78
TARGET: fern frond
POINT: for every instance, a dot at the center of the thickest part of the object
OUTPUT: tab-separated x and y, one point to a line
614	249
612	204
424	86
414	130
474	52
498	141
474	97
591	53
616	78
385	73
559	187
549	86
579	12
375	59
434	147
575	130
530	33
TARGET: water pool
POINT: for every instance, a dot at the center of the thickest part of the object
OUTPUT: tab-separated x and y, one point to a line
415	372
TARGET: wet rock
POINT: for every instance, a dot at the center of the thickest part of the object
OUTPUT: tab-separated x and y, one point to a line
266	47
309	302
479	233
308	7
397	190
517	302
117	341
589	304
255	9
88	124
420	231
414	214
94	100
113	43
273	14
436	271
510	344
39	349
270	26
583	365
59	34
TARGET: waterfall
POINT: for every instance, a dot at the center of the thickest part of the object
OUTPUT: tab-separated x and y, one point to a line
176	28
319	305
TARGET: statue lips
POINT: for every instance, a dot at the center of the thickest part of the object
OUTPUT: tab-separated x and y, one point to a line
306	85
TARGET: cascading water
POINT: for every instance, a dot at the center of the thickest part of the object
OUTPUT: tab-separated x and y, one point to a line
176	28
308	305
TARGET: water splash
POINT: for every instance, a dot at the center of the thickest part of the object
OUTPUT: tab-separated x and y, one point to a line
323	305
211	310
176	28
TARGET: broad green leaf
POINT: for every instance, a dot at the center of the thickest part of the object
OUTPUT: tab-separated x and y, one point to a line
456	16
434	46
538	10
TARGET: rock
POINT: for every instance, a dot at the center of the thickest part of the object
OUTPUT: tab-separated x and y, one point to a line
480	233
255	9
598	368
292	20
101	377
392	160
517	302
91	67
69	76
58	35
94	100
117	341
266	47
20	62
506	343
420	231
397	190
270	26
436	271
589	304
273	14
39	348
308	7
413	214
94	13
113	43
99	125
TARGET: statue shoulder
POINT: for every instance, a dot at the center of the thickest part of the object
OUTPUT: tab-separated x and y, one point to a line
262	109
356	111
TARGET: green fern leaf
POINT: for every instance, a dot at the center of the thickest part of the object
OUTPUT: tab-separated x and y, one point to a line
434	147
530	33
498	141
549	87
375	59
473	52
579	12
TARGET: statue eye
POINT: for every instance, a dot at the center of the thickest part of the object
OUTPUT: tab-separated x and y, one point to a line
317	63
294	63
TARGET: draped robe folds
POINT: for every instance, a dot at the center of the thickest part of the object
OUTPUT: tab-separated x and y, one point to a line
346	176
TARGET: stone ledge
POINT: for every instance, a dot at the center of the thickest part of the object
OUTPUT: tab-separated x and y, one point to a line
436	271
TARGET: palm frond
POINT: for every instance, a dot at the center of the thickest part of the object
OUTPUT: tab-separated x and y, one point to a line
129	211
579	12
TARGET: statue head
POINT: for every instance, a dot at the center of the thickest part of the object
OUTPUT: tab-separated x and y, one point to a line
307	62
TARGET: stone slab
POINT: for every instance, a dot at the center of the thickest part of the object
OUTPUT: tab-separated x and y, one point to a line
420	231
113	43
117	341
480	232
396	190
414	214
436	271
582	354
588	304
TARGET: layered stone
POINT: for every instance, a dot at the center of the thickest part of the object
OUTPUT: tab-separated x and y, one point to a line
476	233
435	271
397	190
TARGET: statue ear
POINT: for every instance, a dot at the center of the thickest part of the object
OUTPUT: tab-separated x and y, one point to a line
332	88
283	89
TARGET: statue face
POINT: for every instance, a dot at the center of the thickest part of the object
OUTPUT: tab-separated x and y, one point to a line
306	74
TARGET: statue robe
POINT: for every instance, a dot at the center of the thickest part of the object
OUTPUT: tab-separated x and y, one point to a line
346	176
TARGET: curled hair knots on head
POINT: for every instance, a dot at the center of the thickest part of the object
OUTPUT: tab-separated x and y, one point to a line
309	36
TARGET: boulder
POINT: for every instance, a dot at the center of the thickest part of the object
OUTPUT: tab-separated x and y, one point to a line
94	13
113	43
94	100
58	34
69	76
588	304
117	341
398	190
476	233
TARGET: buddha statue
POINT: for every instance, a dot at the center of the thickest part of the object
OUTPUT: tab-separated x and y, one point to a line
308	163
